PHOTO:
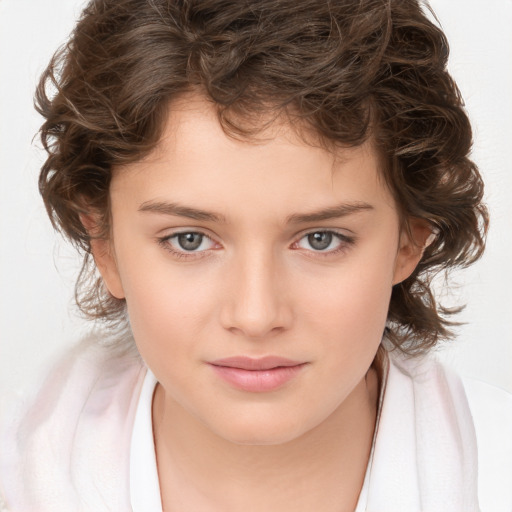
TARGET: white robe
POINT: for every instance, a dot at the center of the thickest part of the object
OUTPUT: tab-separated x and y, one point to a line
434	451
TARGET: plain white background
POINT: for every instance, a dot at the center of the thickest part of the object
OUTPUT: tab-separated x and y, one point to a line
37	269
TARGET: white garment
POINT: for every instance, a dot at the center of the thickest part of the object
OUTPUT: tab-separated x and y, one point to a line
426	452
144	487
71	451
491	409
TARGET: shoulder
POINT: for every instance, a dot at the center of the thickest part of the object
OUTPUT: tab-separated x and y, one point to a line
491	409
424	413
468	405
72	437
474	405
96	369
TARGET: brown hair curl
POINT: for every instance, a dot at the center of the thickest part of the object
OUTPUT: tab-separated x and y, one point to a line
350	69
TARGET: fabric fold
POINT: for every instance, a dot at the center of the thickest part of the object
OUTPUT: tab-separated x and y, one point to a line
70	451
426	457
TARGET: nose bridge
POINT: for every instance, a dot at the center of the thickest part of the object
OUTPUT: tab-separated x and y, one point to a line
256	305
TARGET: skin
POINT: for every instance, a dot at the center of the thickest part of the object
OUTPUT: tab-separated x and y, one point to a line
256	287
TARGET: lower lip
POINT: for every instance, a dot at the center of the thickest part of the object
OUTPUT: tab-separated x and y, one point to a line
258	381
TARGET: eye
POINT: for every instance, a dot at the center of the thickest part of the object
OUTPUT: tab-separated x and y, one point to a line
324	241
188	242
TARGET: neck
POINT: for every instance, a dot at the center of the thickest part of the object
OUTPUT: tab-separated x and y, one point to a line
323	469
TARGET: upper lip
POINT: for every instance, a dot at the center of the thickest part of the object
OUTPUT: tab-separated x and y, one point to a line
250	363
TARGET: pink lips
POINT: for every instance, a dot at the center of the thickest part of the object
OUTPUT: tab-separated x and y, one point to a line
257	375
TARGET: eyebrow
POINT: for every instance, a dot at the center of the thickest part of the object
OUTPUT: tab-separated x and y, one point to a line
180	211
332	212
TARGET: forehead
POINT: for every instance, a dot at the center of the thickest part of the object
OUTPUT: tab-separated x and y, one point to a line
280	167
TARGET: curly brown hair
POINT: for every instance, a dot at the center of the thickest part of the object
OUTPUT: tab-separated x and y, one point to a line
349	69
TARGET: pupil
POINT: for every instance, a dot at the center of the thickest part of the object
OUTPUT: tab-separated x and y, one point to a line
190	241
320	240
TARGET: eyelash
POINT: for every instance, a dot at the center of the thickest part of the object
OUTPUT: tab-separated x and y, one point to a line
345	243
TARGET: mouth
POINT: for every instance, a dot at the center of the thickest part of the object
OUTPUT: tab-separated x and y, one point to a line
257	375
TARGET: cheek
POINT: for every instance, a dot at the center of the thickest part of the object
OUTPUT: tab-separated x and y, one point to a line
357	292
167	309
349	308
349	323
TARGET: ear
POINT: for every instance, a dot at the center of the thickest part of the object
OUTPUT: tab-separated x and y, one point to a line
413	243
104	257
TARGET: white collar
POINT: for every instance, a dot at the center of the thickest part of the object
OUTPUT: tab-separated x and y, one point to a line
144	485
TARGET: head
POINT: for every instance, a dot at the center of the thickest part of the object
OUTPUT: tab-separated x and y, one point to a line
356	81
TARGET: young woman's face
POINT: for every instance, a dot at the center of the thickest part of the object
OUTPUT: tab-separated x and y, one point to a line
228	249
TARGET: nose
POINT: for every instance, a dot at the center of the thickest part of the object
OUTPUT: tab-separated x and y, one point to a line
256	304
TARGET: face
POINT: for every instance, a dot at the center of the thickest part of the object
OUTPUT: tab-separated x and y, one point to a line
266	249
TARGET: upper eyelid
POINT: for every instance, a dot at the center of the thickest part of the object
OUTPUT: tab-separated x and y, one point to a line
300	234
324	229
337	232
182	231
